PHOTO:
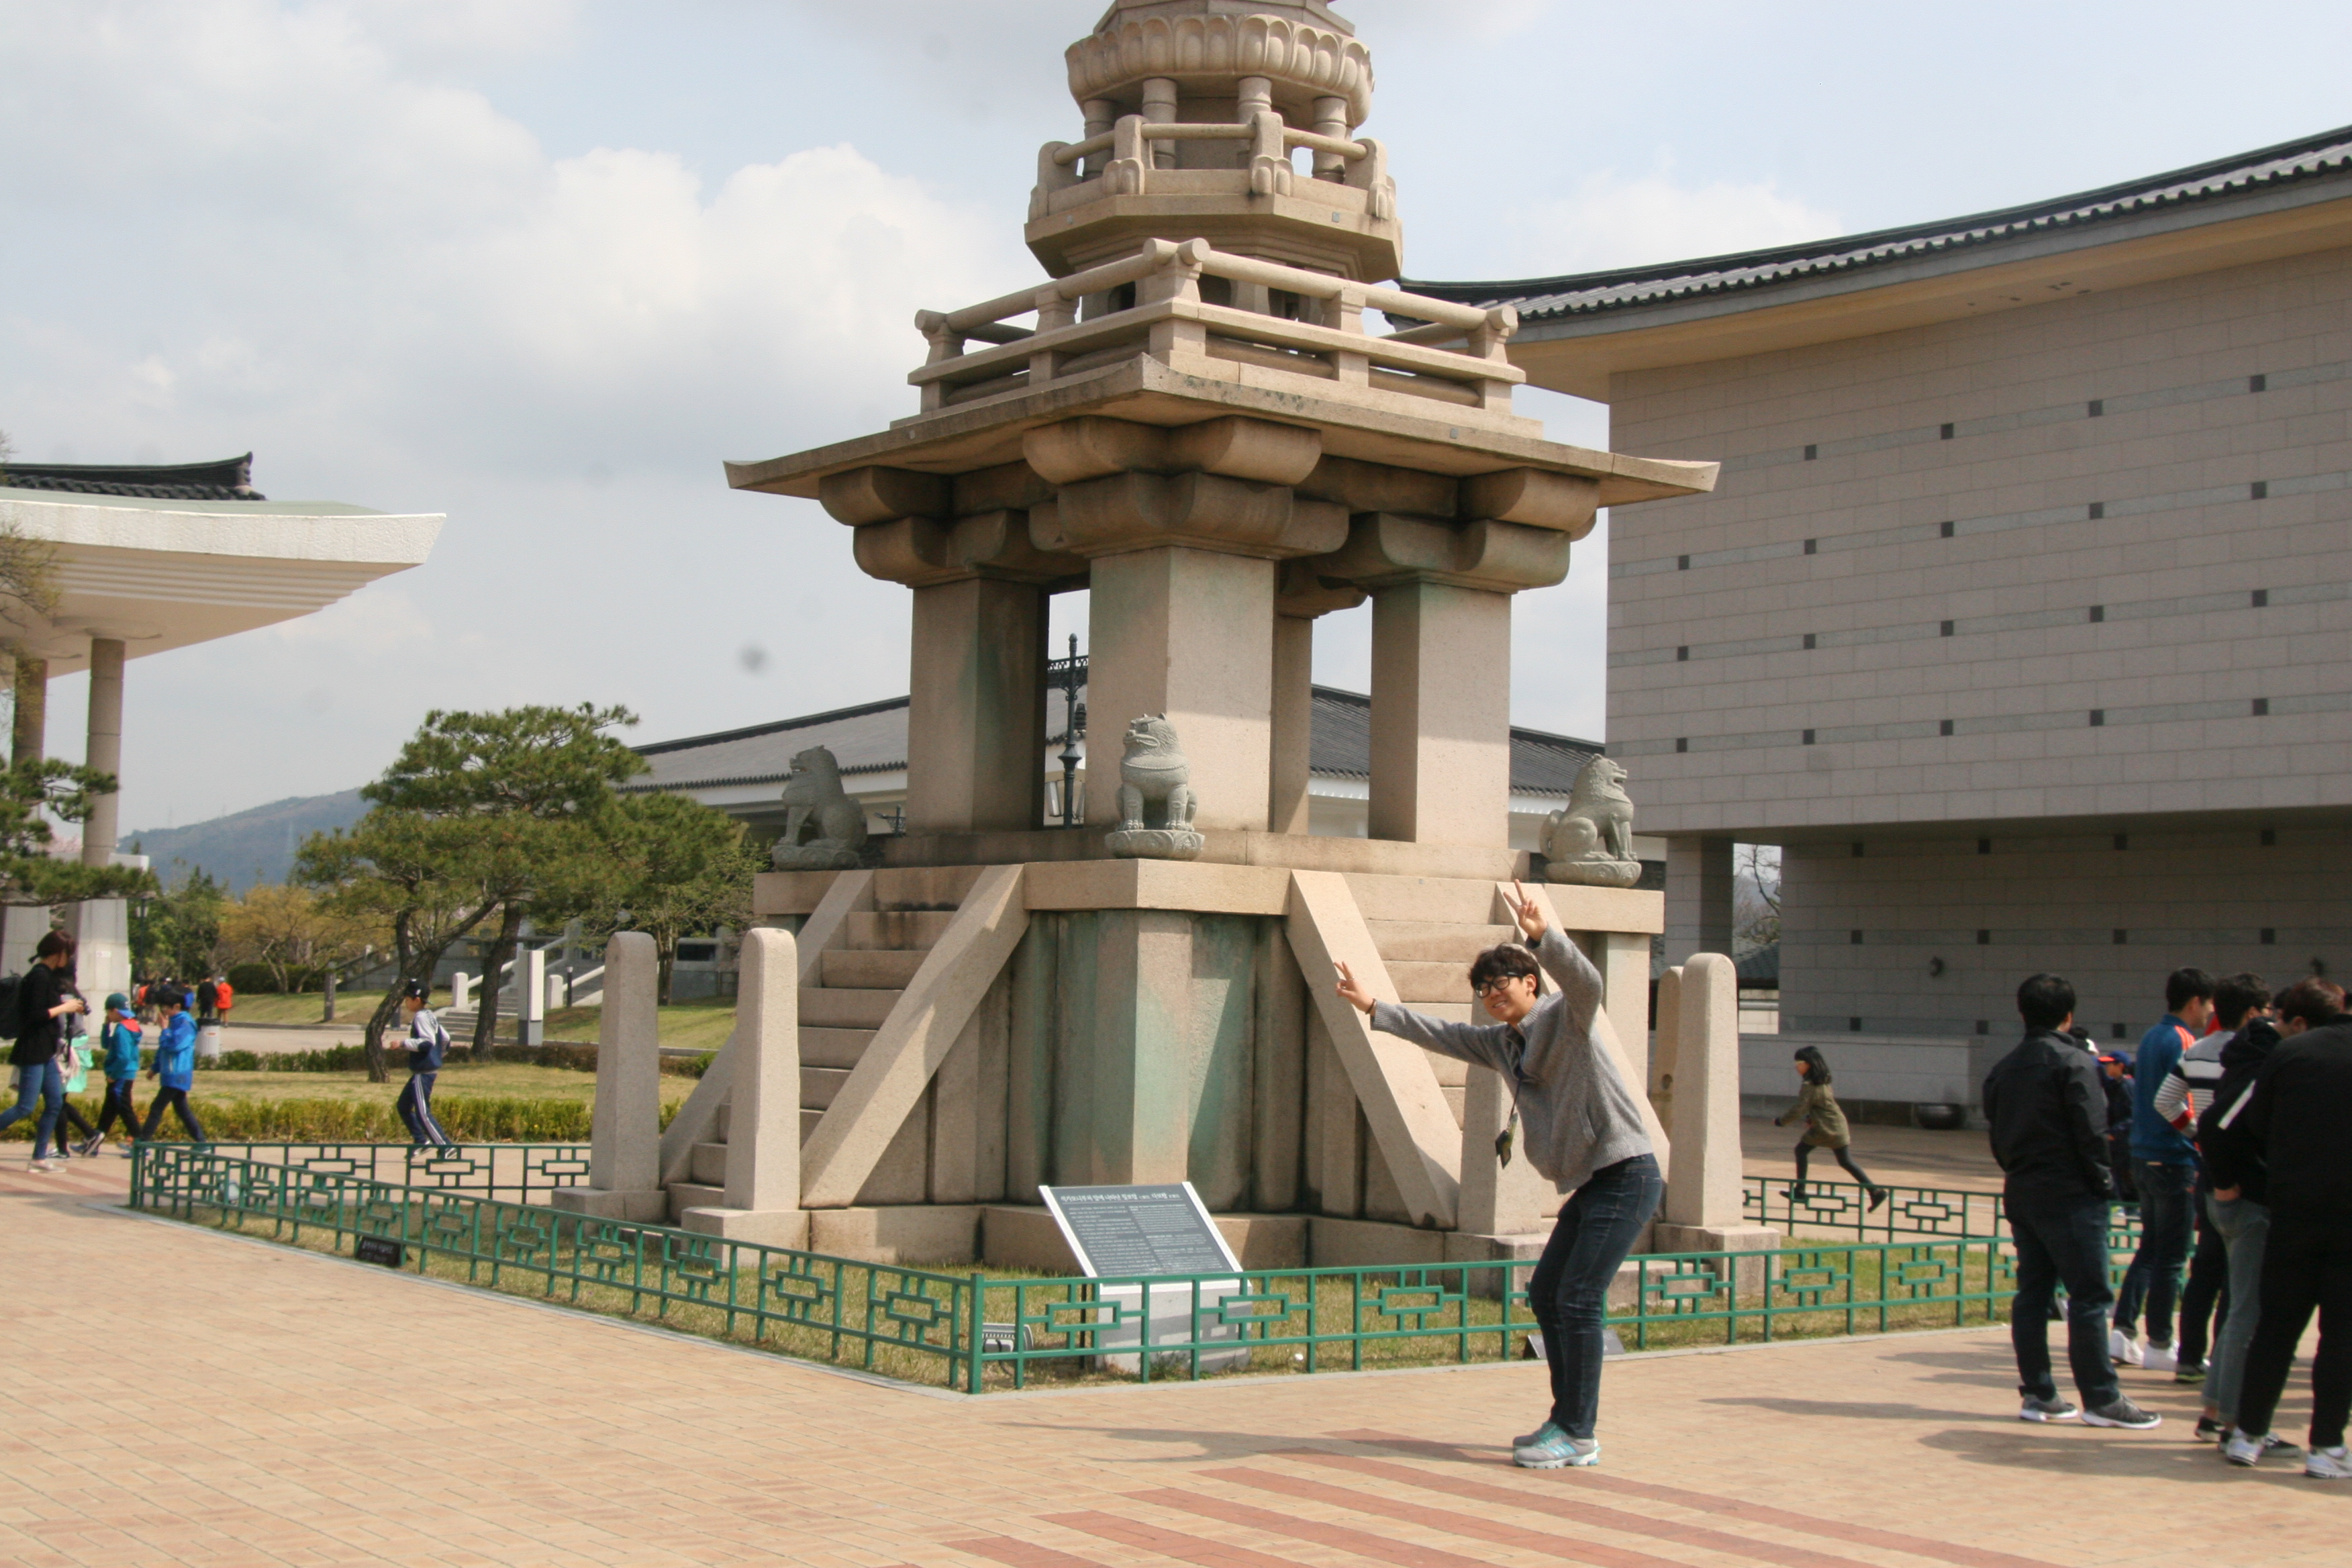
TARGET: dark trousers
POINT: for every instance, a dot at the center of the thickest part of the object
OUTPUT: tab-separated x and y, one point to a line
175	1100
2306	1264
415	1108
118	1107
2167	1211
70	1116
1570	1291
1844	1157
2062	1241
2205	1300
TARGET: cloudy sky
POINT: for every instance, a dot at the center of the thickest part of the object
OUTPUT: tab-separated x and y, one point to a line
543	264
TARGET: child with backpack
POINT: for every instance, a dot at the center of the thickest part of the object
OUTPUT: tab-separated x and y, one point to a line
428	1042
175	1065
119	1044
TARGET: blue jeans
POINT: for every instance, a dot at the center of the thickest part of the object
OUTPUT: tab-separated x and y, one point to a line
2245	1226
1569	1290
2062	1241
41	1084
2166	1221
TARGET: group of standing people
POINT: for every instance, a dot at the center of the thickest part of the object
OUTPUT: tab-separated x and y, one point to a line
52	1053
2239	1106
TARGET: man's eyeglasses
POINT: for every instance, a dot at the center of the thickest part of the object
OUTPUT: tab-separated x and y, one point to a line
1496	987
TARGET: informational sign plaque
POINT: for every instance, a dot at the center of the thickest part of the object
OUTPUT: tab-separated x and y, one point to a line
1124	1233
378	1249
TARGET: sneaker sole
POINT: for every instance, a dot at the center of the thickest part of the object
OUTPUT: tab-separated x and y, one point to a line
2148	1426
1581	1461
2046	1419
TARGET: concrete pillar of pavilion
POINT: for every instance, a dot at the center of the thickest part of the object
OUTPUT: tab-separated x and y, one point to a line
101	927
1299	598
21	928
1698	896
976	711
1703	1210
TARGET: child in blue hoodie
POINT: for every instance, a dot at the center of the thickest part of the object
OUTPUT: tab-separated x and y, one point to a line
176	1063
119	1043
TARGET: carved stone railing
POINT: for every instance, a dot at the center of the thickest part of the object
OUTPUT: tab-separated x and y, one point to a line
1142	163
1167	318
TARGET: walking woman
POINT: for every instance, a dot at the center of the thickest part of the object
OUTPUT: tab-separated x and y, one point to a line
1584	1134
1825	1127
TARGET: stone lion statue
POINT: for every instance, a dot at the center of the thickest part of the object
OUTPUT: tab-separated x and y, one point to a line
824	830
1154	782
1591	840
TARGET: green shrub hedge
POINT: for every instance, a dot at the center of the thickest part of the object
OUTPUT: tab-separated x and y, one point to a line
466	1120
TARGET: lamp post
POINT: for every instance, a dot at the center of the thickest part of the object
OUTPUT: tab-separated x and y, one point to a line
1074	724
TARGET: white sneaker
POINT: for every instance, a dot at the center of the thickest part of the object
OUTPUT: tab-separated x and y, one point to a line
2123	1350
2244	1449
2328	1464
41	1168
2160	1358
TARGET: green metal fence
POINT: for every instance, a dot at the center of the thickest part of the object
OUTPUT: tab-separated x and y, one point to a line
516	1173
974	1332
1837	1208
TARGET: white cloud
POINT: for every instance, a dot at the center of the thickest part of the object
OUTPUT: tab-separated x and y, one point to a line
1610	220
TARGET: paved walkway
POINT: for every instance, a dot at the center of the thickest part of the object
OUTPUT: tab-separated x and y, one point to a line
184	1398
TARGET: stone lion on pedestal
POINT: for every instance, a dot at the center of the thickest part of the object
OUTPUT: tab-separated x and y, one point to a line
824	830
1153	773
1590	841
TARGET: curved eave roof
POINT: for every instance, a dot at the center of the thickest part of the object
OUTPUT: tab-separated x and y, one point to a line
166	573
2323	158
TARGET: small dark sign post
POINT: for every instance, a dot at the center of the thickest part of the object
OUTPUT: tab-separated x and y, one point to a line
1140	1232
378	1249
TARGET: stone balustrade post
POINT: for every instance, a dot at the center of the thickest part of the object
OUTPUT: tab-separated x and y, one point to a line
625	1133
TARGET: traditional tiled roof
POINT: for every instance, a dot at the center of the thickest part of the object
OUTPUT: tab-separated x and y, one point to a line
2327	156
230	479
872	738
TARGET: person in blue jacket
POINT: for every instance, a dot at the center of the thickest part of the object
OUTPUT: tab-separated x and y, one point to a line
175	1065
427	1043
2164	1169
119	1044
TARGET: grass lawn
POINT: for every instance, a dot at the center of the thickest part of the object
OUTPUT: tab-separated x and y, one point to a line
500	1080
701	1026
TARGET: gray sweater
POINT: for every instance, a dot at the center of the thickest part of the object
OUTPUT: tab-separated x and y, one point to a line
1576	1112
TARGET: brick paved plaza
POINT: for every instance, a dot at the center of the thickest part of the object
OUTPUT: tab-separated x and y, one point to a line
186	1397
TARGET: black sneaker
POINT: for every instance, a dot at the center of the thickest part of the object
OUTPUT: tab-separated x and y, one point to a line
2121	1412
2211	1429
2188	1372
1877	1198
2032	1409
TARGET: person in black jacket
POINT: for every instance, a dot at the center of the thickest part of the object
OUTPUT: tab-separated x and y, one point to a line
2048	1112
2243	1222
2295	1120
44	996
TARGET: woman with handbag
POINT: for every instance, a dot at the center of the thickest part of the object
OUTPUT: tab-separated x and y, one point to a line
43	996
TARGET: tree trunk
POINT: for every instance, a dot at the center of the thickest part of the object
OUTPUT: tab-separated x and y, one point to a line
502	952
386	1010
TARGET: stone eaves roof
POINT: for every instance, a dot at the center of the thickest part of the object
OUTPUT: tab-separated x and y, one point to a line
230	479
872	738
2327	156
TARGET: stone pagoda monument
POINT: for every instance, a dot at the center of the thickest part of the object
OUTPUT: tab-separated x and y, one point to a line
1214	413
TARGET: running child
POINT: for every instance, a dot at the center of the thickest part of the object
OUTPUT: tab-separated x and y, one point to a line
119	1046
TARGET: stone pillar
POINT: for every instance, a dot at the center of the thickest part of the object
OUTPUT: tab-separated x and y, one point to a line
1139	1105
20	928
625	1136
1698	896
764	1115
1188	634
976	714
1665	1040
105	749
531	996
32	718
1702	1211
1288	807
1300	597
101	927
1623	960
1440	714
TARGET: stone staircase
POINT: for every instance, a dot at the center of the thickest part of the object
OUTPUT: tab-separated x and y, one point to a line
861	976
1427	934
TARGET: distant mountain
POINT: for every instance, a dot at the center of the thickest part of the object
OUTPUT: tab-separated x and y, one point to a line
245	847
